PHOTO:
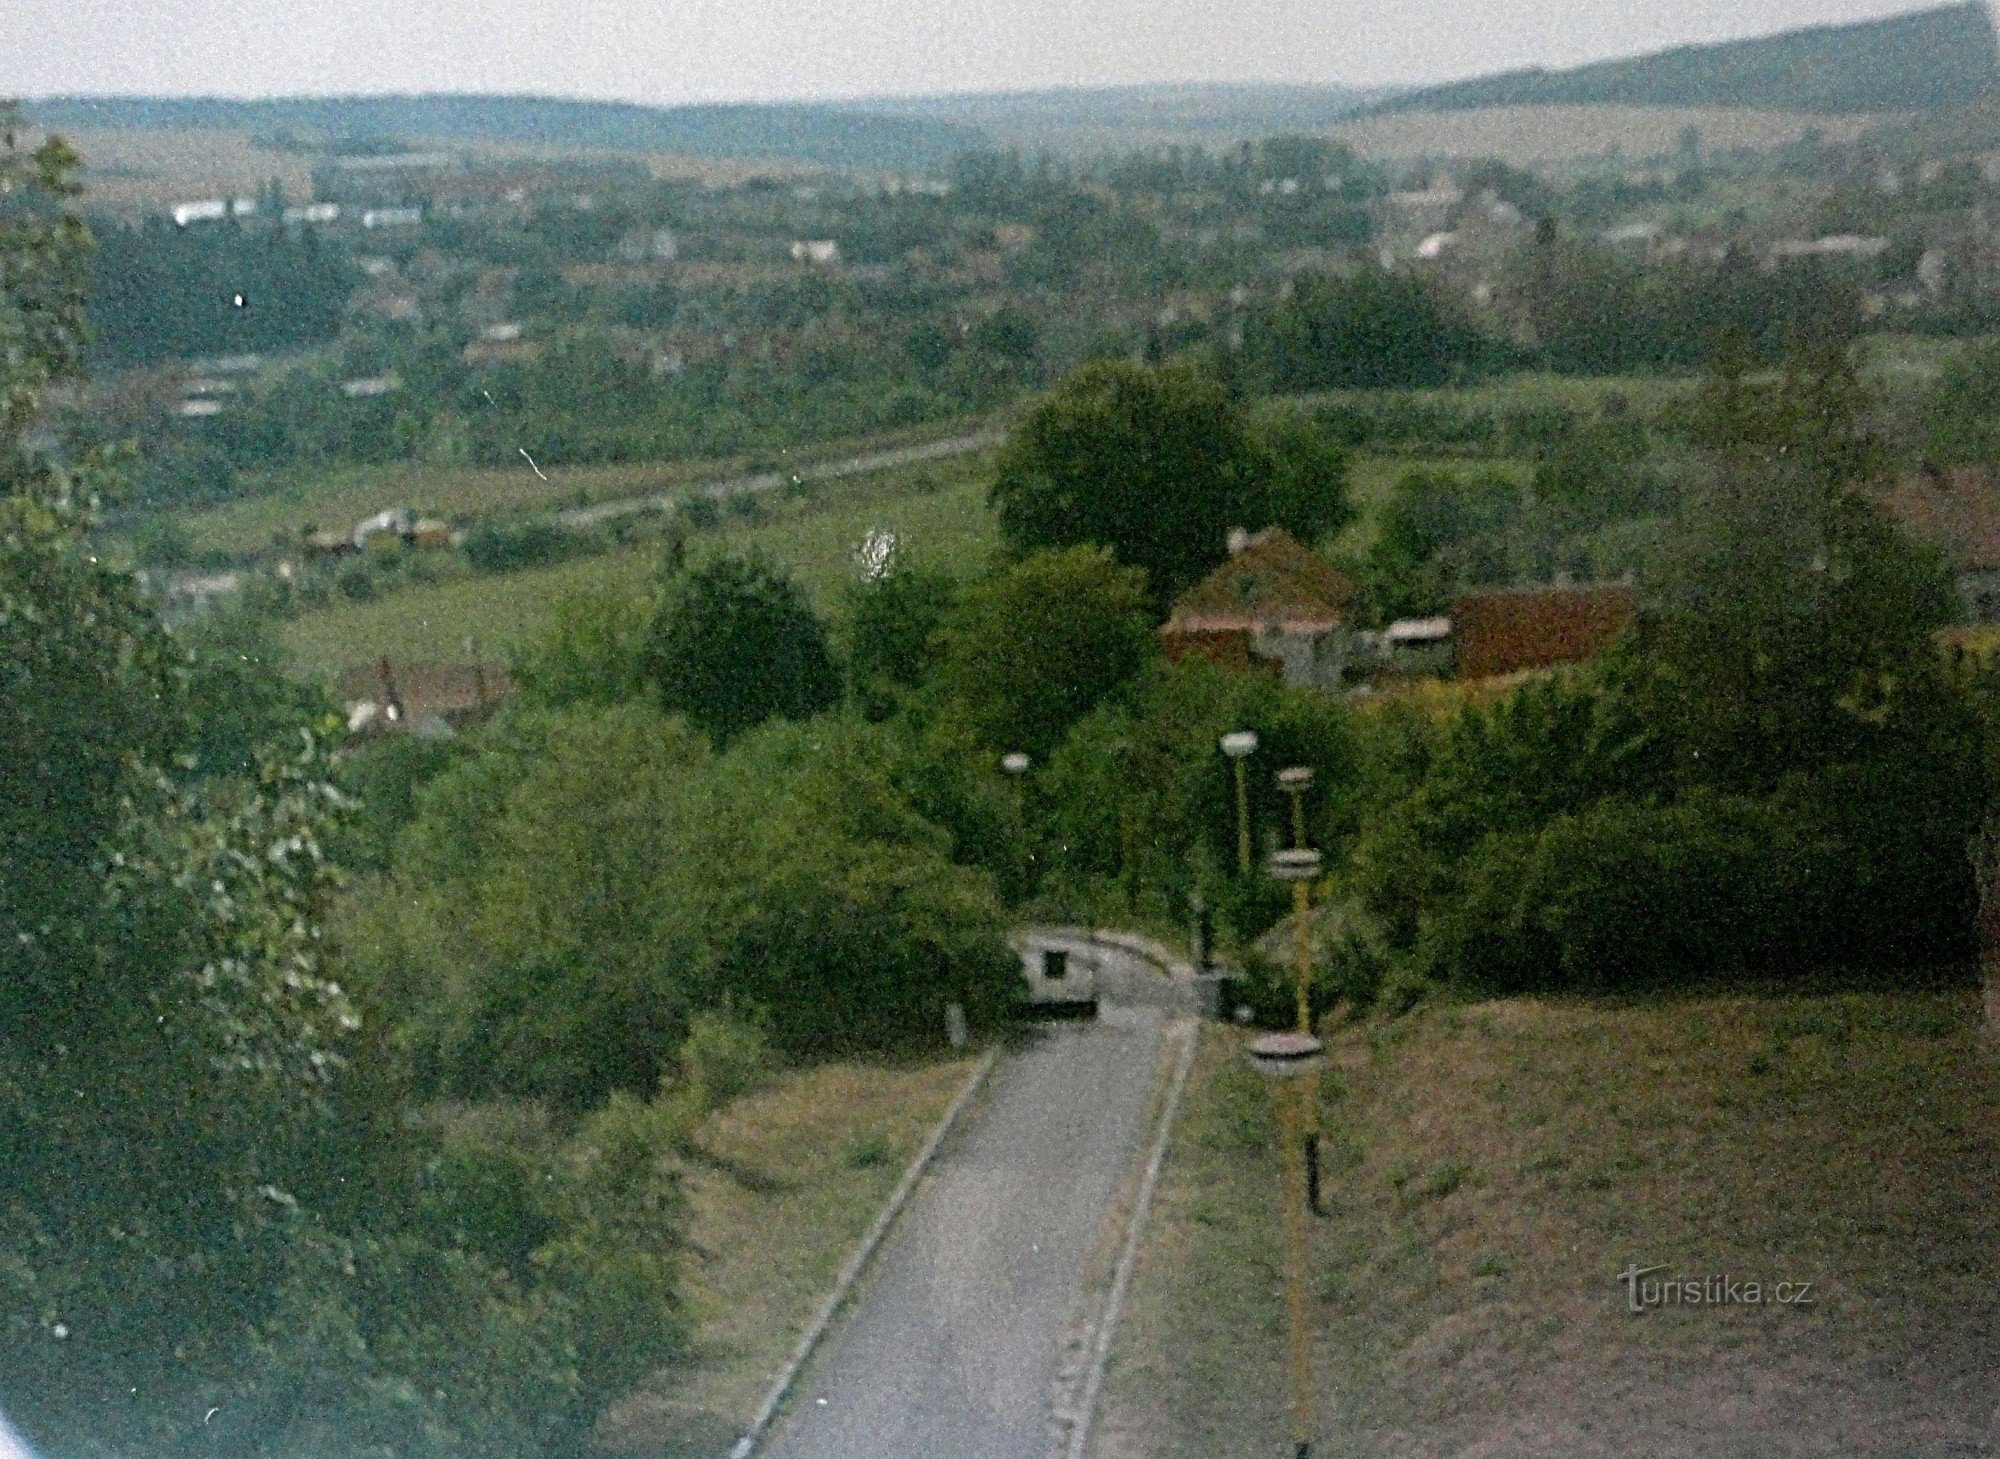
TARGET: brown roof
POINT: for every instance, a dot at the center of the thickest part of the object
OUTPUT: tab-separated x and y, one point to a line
1274	581
1503	630
1957	510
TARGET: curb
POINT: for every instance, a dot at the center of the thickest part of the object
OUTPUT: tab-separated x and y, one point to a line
1128	1259
843	1285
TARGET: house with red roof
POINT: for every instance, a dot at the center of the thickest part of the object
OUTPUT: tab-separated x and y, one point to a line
1275	604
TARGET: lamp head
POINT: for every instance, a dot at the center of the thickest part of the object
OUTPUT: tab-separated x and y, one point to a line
1239	743
1287	1055
1015	763
1297	864
1295	777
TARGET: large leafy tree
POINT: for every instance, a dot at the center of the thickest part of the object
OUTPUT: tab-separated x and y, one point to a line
735	643
209	1237
1154	464
1034	648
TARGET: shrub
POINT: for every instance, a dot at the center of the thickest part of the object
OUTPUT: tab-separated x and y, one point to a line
511	546
723	1058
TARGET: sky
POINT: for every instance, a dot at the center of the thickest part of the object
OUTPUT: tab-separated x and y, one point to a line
667	51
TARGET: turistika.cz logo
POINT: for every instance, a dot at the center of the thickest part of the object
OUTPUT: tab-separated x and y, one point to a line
1644	1291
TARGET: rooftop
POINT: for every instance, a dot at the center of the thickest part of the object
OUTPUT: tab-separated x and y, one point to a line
1273	581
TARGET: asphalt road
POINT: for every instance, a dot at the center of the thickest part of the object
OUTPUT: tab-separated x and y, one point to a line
952	1346
764	481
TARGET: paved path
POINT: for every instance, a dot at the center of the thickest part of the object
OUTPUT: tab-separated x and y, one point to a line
951	1348
764	481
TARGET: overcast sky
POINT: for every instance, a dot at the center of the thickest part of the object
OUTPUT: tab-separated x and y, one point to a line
706	50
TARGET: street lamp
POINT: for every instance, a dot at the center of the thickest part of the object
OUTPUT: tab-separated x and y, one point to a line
1239	745
1016	763
1300	866
1294	779
1291	1062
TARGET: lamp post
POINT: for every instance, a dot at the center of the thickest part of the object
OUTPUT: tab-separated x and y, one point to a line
1300	866
1291	1062
1294	779
1238	745
1015	763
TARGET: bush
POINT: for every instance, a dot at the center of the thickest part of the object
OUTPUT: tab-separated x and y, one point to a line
735	643
1625	895
511	546
723	1058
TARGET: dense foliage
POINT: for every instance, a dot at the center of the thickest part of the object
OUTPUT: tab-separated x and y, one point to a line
734	643
159	292
1159	465
571	895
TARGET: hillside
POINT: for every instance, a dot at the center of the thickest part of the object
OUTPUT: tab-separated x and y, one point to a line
1083	120
835	136
1918	61
1493	1168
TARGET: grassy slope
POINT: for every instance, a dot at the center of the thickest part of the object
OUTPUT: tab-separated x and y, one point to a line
936	508
1496	1166
812	1159
336	496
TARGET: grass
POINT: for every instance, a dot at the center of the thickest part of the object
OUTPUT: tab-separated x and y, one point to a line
775	1214
1492	1168
337	496
936	509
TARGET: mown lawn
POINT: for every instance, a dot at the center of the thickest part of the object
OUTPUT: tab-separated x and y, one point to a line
1493	1168
936	509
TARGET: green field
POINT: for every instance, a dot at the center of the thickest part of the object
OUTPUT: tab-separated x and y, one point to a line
936	509
336	496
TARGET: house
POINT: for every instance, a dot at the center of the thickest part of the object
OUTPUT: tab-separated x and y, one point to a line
1504	630
1274	601
434	700
1957	510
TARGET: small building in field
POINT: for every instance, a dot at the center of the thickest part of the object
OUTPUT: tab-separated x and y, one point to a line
1274	604
1957	510
422	699
1504	630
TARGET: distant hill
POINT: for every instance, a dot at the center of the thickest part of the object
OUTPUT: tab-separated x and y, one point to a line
834	135
1092	119
1915	62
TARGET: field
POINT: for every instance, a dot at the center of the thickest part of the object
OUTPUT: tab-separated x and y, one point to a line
937	511
336	496
796	1174
1492	1170
134	171
1527	136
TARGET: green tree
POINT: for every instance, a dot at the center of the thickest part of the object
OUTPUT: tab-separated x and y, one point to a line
1961	413
893	621
1033	648
1154	464
1371	329
734	643
1306	474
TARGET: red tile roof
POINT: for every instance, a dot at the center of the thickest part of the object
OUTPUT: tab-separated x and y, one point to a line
1503	630
1274	582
